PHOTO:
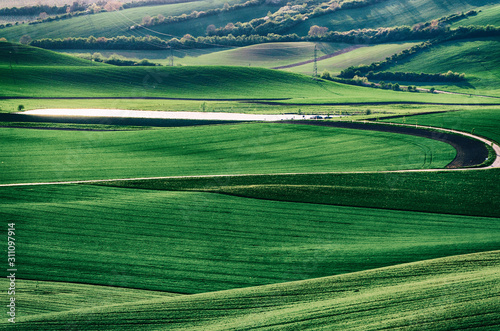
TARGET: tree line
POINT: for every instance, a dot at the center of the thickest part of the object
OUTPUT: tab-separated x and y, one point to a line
354	36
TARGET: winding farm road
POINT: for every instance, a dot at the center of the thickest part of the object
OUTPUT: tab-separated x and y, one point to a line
470	150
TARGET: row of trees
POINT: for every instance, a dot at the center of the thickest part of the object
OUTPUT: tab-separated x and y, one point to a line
116	60
148	21
459	33
416	77
188	41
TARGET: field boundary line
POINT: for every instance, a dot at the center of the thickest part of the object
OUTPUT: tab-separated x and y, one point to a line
495	164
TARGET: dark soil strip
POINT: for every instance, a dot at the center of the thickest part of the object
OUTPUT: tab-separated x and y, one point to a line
124	121
324	57
470	152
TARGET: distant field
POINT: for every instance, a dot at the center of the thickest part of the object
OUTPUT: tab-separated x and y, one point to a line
12	54
484	122
265	55
45	297
488	15
227	149
477	58
21	3
107	24
364	55
458	292
189	242
389	13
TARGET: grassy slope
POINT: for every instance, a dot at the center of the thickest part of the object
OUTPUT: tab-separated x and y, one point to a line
196	83
389	13
484	122
20	55
456	293
42	297
265	55
488	15
364	55
464	192
188	242
226	149
477	58
107	24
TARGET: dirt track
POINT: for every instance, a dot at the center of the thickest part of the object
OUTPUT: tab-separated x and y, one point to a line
470	152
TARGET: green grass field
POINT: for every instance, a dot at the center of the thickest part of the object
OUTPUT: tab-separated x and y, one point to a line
483	122
477	58
488	15
189	242
459	192
224	149
389	13
13	54
458	292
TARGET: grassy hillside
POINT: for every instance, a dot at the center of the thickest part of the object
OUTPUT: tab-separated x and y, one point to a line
193	82
477	58
188	242
389	13
43	297
363	55
20	55
231	149
488	15
458	292
107	24
265	55
484	122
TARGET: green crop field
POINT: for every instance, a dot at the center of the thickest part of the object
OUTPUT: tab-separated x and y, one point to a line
230	149
15	55
189	242
477	58
193	82
389	13
488	15
213	225
459	292
483	122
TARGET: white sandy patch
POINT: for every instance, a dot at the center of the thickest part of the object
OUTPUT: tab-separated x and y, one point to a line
163	114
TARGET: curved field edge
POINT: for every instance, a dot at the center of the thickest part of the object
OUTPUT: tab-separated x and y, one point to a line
436	192
190	242
209	150
44	297
459	292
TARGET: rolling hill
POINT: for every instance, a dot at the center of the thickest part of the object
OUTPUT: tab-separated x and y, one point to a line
477	58
14	54
389	13
458	292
